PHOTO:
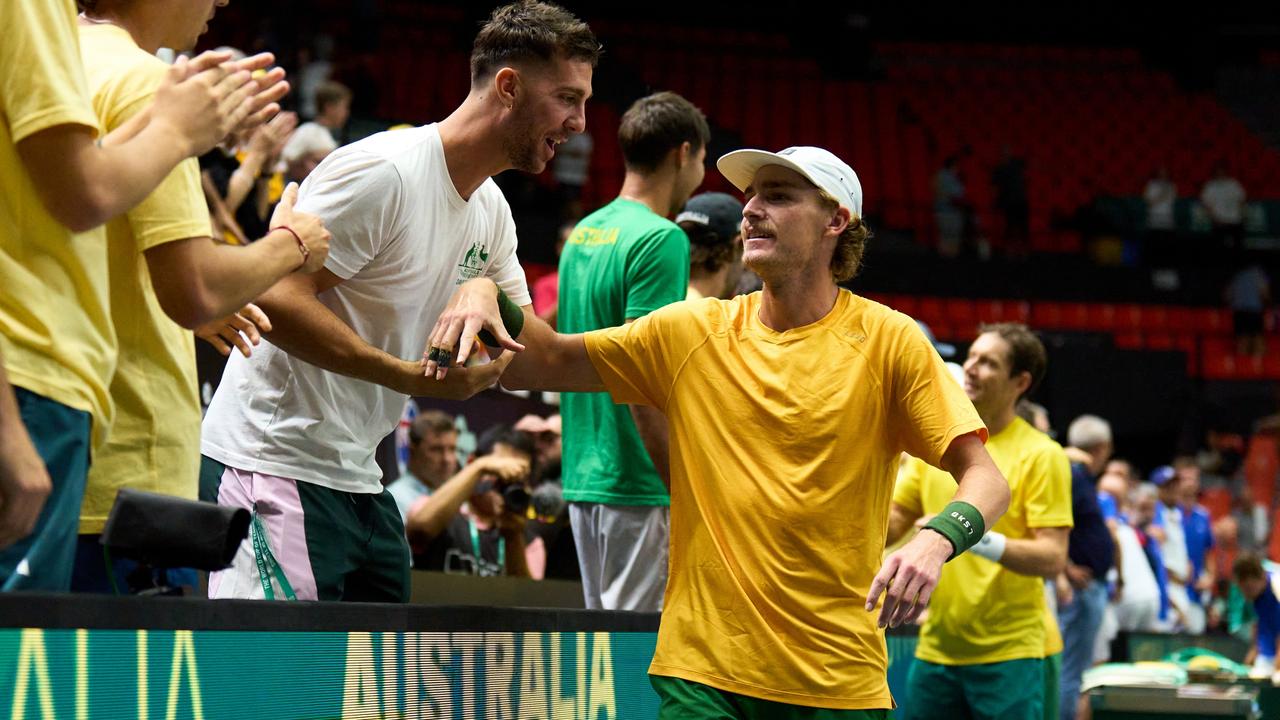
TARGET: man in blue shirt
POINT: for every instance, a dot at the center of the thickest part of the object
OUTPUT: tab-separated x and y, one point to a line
1197	527
1090	553
1259	587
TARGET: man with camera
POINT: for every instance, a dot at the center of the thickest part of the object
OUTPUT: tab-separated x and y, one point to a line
474	523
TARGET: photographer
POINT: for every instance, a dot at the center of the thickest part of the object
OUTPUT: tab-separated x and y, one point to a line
475	522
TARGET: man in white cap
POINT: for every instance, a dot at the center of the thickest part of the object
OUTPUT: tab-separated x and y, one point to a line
788	409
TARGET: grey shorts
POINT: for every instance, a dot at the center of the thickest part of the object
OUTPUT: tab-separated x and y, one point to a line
622	550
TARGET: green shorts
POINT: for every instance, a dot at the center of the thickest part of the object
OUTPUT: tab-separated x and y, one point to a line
1010	690
685	700
330	545
1052	676
43	560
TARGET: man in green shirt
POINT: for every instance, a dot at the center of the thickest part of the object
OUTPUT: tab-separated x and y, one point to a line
622	262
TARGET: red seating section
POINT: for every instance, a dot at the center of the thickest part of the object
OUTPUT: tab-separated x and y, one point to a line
1202	334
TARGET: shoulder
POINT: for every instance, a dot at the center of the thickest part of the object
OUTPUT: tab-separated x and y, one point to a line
354	168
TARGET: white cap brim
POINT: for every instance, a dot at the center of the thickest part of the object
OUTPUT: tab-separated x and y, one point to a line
740	166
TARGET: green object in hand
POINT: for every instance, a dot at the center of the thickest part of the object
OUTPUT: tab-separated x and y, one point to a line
961	524
512	321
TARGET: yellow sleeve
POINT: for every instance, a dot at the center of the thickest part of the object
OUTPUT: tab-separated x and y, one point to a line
1048	489
176	209
42	82
639	362
906	491
929	408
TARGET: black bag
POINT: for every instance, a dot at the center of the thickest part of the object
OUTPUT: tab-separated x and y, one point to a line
169	532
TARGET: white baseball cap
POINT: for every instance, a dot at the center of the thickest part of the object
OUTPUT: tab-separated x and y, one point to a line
818	166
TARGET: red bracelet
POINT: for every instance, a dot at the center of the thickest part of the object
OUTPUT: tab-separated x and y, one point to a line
306	253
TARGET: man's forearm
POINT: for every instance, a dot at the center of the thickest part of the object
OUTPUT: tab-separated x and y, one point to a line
200	279
651	423
550	361
303	327
1038	557
434	515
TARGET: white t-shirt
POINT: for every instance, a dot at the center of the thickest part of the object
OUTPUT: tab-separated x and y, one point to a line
403	240
1224	199
1160	196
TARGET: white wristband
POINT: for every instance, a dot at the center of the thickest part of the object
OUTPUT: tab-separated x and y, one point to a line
991	546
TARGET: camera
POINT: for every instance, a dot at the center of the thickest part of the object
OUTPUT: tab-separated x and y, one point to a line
515	495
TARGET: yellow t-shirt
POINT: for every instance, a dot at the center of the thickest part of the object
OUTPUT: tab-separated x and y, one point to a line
1052	637
55	325
982	612
154	444
783	452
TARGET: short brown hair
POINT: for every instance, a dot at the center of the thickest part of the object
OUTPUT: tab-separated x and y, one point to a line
708	252
329	93
1248	567
846	261
655	125
1027	353
430	422
529	30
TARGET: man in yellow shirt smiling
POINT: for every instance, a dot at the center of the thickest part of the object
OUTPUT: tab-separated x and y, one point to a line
788	409
981	651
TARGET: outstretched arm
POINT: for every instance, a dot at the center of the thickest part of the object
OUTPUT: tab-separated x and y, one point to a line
544	359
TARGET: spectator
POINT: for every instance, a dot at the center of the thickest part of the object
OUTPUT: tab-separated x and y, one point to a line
433	459
1160	194
551	548
246	179
306	148
315	66
1090	553
949	207
1145	502
546	435
1223	198
1252	523
466	526
1198	530
333	108
622	262
1249	297
1259	587
713	223
1124	470
1010	180
1188	615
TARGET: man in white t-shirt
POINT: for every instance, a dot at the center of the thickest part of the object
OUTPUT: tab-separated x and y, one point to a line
1223	199
291	432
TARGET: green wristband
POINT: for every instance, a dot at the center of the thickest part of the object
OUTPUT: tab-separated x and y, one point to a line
512	321
961	524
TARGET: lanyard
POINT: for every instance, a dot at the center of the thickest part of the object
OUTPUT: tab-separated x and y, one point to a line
475	546
267	563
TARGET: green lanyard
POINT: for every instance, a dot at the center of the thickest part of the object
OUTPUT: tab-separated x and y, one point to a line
475	546
267	563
